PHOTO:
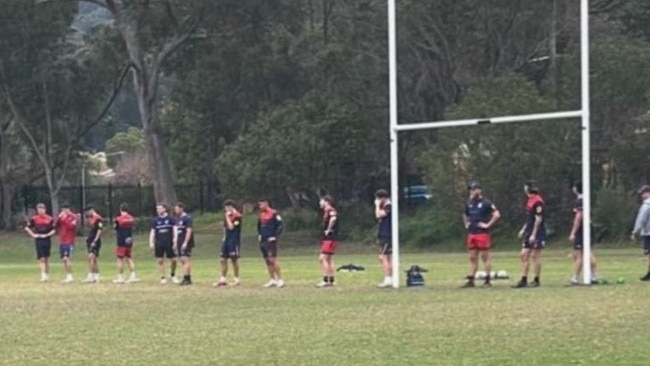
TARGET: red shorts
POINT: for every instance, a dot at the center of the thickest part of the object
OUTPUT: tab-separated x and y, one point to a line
328	247
479	241
123	252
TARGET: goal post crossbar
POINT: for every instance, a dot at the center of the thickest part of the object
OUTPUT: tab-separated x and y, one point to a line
493	120
584	114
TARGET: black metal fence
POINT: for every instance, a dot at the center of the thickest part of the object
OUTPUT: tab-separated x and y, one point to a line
107	198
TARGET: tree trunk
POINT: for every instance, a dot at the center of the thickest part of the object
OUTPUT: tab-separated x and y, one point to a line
145	76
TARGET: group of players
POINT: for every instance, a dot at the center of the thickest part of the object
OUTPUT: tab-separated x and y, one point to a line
172	237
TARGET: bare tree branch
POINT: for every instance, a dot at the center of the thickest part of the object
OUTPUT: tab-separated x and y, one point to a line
116	90
21	121
101	3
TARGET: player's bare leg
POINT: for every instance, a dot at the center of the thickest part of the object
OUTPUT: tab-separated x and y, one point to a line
387	267
235	270
132	276
277	272
328	273
224	273
473	267
120	271
187	270
93	271
536	256
486	257
271	270
330	268
161	270
577	266
44	266
525	258
172	274
67	266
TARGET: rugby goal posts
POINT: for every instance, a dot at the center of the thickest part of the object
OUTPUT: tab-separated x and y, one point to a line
583	113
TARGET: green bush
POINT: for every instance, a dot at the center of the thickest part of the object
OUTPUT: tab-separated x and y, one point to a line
613	215
431	226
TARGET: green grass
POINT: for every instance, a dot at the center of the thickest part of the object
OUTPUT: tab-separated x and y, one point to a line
354	323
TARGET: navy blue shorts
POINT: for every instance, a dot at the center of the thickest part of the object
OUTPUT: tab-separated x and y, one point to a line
386	246
187	252
94	249
65	250
646	245
230	250
43	249
269	249
164	251
537	244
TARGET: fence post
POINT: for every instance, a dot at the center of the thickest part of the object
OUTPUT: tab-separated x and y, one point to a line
139	195
110	200
201	203
24	194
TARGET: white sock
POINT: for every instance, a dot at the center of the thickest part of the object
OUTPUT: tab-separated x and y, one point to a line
132	274
96	275
388	279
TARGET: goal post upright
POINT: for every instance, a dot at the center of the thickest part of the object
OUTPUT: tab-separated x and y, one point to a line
586	141
583	113
394	143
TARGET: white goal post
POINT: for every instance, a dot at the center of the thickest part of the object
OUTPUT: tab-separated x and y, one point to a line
395	128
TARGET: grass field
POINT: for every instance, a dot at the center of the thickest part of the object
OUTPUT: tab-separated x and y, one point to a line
354	323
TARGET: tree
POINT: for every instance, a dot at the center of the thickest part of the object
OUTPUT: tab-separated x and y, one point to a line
151	32
51	87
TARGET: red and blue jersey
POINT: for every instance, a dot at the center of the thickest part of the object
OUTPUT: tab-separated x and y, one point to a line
269	224
328	214
233	236
477	211
123	224
384	226
183	223
41	225
535	207
67	227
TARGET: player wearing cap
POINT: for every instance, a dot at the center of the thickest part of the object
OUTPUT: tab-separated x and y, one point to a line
480	215
534	235
577	239
642	226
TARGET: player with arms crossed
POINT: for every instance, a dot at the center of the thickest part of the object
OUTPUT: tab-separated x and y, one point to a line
93	243
328	243
269	228
577	239
162	238
232	222
184	241
41	228
384	235
642	226
123	224
534	235
480	215
66	224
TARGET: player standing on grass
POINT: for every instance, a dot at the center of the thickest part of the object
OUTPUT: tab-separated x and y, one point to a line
93	243
230	249
576	238
66	224
184	241
642	226
124	224
162	239
534	235
269	228
328	242
480	215
41	228
384	235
